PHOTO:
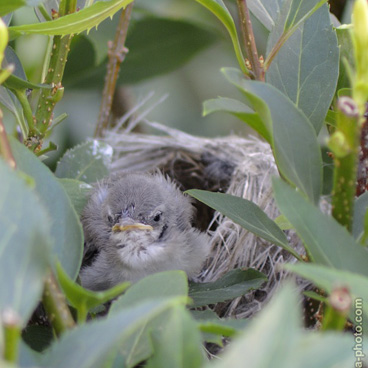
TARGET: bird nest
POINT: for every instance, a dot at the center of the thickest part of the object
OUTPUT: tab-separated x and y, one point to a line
238	166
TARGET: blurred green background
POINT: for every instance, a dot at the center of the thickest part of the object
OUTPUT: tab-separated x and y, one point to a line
178	37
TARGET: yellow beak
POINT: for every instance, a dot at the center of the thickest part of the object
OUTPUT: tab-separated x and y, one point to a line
139	226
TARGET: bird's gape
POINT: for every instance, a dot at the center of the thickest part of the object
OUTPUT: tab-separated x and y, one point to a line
136	246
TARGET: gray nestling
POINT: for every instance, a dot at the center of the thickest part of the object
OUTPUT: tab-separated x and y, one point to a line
135	225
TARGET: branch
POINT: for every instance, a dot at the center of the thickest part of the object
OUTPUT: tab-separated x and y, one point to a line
5	148
55	305
337	309
117	52
12	333
249	41
344	144
48	98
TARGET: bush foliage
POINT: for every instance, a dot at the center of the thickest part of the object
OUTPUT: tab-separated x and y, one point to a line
311	86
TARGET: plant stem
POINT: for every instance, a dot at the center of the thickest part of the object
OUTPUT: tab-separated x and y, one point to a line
12	332
82	313
337	309
44	12
117	52
5	145
249	41
345	150
55	305
49	97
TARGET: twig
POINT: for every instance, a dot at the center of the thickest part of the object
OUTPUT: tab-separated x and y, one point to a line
49	97
5	145
344	144
249	41
337	309
12	333
117	52
55	305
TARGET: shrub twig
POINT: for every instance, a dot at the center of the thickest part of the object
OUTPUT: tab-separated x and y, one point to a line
49	97
55	305
12	333
344	144
249	41
117	52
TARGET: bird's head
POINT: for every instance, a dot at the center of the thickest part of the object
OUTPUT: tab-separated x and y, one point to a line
142	213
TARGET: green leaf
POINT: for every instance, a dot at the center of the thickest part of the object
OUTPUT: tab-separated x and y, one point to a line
87	162
84	300
327	242
295	144
24	245
300	10
233	284
27	356
281	342
204	316
315	296
10	57
77	22
13	82
9	101
282	222
66	230
223	327
331	117
345	92
218	8
161	285
8	6
306	68
245	213
266	11
78	192
256	103
90	345
178	344
18	80
167	44
240	110
328	279
360	210
271	322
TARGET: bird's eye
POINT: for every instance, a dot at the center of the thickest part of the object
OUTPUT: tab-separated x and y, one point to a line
157	217
117	217
110	219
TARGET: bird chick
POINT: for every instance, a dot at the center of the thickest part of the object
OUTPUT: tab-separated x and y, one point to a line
135	225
